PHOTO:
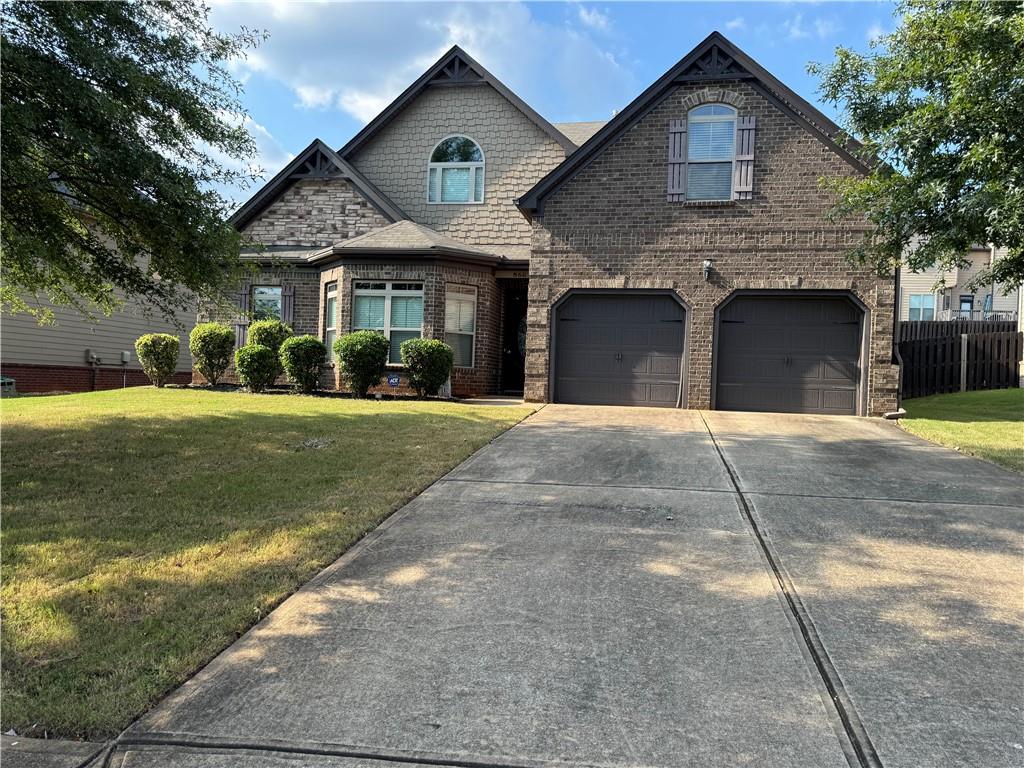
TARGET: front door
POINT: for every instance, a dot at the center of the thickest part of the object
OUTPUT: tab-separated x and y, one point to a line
513	341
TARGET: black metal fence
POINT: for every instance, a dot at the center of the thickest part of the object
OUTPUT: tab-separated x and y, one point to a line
960	363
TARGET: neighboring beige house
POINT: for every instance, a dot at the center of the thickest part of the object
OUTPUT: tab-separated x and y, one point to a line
933	295
75	354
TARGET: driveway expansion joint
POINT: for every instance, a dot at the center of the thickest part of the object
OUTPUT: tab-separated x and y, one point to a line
316	749
858	739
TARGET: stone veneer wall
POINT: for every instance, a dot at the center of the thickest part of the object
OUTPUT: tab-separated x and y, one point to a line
611	226
517	154
315	212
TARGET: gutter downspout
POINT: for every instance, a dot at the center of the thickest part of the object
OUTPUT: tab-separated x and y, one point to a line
896	358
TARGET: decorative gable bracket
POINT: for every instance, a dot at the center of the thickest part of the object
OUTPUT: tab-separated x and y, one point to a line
317	166
714	64
457	72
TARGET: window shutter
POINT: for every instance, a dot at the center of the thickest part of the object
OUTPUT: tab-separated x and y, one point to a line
677	160
287	303
743	169
244	309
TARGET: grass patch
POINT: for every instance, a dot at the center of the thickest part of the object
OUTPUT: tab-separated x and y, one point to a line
144	530
989	425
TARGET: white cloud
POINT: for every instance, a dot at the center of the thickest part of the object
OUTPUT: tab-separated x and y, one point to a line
357	57
875	31
593	18
825	28
736	24
793	28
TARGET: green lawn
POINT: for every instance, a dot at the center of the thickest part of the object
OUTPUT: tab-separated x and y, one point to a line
144	530
989	425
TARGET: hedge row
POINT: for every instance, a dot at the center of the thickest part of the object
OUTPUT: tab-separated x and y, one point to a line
272	349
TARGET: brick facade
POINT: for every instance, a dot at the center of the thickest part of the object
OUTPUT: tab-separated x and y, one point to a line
482	378
516	152
78	378
611	226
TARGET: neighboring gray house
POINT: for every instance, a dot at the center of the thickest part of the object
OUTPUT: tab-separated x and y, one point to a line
678	255
78	355
934	295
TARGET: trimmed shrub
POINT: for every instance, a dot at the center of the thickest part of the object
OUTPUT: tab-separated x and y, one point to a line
270	334
302	357
158	354
257	366
428	364
363	356
212	345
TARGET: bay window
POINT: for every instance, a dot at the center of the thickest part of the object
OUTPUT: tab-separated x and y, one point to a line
395	309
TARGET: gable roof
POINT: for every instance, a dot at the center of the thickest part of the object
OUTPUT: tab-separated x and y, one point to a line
578	133
403	238
714	59
317	161
456	68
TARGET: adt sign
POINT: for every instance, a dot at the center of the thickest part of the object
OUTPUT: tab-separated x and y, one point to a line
394	380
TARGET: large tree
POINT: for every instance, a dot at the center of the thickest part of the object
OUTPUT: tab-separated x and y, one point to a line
119	122
939	108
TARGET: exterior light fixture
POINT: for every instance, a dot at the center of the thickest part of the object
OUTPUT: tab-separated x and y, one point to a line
708	264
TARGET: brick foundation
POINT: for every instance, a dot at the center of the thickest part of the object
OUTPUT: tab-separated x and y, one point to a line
77	378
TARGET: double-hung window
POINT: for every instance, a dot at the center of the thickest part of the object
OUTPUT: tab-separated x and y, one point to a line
922	306
330	318
456	172
460	323
710	152
266	302
392	308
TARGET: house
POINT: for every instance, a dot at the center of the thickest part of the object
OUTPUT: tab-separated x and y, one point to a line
934	295
678	255
74	354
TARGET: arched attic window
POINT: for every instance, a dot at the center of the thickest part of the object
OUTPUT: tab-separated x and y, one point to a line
710	152
456	172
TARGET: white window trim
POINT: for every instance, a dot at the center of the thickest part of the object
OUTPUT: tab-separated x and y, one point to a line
920	309
480	168
690	119
331	292
462	291
387	292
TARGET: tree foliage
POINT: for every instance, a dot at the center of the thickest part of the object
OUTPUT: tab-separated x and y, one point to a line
939	108
119	119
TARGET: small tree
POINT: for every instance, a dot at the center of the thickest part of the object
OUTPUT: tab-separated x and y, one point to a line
257	366
428	363
270	334
158	354
363	356
302	357
940	101
212	345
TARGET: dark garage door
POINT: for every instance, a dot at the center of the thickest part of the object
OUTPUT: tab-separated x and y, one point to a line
619	349
795	355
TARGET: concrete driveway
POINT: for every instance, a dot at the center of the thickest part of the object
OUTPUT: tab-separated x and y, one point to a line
640	587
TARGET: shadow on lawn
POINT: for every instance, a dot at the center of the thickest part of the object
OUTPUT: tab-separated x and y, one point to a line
136	547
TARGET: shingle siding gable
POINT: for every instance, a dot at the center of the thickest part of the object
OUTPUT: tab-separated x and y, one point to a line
517	154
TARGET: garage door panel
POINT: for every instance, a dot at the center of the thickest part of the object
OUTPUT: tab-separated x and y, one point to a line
788	353
619	349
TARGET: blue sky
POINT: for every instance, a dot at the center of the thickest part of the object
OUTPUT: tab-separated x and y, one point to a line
327	68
